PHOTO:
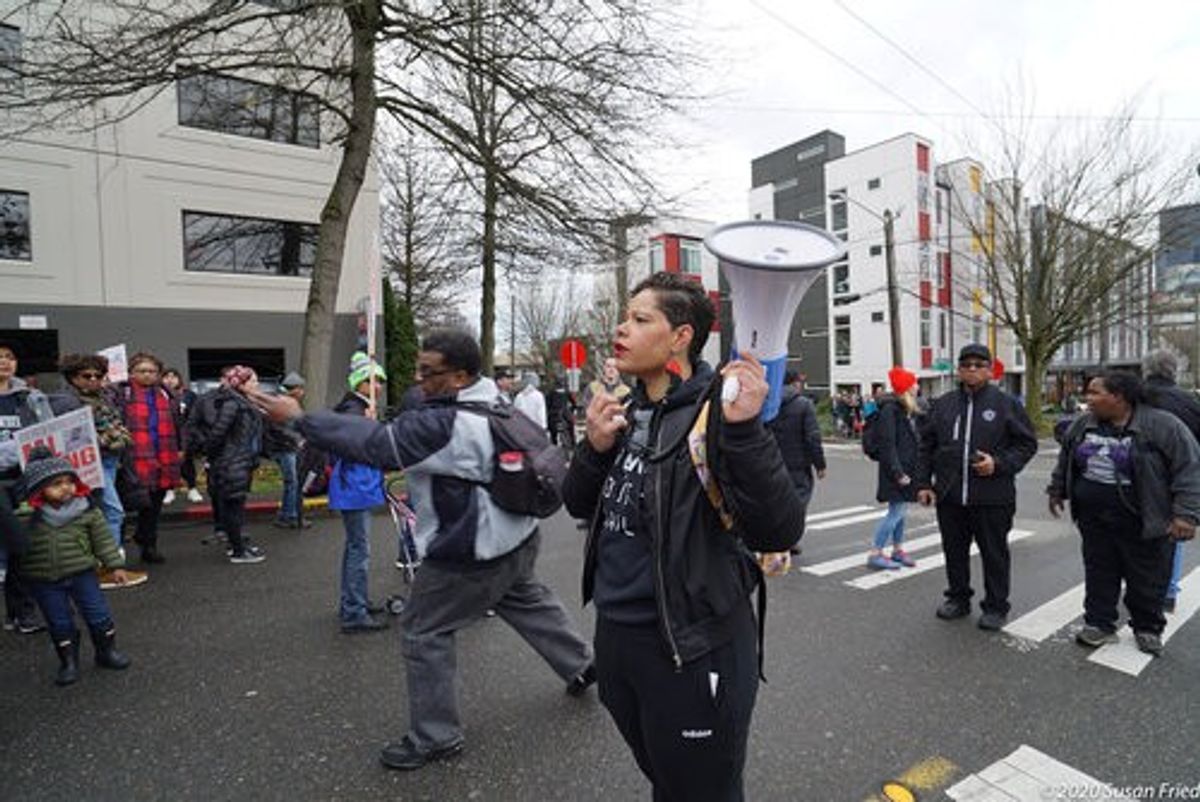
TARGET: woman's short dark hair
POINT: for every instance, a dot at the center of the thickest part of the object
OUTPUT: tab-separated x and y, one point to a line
682	300
458	349
71	365
1123	383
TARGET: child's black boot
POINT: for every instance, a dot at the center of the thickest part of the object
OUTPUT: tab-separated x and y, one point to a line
68	660
107	656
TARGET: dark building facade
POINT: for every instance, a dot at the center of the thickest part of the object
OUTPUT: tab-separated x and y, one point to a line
795	176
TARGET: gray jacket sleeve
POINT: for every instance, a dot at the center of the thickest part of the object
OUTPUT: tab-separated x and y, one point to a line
1183	458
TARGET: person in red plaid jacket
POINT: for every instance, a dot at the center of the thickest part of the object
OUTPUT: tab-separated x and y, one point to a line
153	419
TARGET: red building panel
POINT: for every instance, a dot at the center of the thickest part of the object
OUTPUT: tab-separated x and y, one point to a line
670	253
923	228
926	357
715	297
923	158
926	293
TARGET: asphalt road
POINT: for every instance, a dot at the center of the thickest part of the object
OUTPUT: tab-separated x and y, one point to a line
242	688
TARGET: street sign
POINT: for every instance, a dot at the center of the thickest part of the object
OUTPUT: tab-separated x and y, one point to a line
572	354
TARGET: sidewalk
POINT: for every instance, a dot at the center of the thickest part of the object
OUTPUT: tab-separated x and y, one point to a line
257	506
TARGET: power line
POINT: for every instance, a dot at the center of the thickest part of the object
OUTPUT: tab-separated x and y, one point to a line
917	63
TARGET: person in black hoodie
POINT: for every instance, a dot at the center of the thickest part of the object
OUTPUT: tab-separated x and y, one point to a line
675	638
976	440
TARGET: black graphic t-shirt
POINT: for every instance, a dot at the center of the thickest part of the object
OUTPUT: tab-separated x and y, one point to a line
1103	490
624	589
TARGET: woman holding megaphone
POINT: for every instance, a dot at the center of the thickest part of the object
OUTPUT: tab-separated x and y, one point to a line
680	487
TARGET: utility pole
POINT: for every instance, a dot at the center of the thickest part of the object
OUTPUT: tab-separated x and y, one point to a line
889	250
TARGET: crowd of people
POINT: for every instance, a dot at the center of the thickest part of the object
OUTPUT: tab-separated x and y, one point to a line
687	496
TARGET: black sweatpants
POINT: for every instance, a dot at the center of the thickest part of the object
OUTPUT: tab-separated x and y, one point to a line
988	527
146	531
1115	553
688	728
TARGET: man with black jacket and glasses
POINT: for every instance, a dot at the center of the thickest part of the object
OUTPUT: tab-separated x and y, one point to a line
975	441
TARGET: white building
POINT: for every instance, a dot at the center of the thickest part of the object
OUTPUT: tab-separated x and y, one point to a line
671	245
939	283
188	229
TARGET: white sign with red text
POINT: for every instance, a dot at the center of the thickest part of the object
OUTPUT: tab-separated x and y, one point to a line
72	436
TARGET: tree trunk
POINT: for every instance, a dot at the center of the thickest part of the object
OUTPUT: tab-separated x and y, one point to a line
487	312
335	216
1035	377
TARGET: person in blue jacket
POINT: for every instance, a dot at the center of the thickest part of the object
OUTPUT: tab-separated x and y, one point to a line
355	488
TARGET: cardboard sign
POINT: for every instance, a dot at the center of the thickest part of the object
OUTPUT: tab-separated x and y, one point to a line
118	363
72	436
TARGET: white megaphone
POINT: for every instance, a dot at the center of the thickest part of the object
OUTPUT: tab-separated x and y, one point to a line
769	264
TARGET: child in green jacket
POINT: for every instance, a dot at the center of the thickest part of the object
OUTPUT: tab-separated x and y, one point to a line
68	538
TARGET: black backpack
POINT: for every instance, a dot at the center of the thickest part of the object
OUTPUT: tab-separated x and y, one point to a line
870	436
527	470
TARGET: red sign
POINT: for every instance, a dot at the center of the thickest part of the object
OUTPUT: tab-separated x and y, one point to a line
572	354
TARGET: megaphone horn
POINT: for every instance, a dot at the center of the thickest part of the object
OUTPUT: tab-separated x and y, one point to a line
769	264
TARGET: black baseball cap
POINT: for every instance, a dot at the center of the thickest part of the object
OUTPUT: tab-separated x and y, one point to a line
975	351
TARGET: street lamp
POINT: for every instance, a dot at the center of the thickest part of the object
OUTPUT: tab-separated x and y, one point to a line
889	251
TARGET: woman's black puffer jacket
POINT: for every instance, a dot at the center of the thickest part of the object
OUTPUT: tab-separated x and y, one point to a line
234	444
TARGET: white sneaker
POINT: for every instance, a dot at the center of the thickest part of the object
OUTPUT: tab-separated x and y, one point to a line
169	498
194	496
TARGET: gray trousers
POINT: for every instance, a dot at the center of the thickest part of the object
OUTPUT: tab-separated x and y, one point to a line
447	597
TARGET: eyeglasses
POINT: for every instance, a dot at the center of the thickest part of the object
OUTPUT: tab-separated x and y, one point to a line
973	365
90	374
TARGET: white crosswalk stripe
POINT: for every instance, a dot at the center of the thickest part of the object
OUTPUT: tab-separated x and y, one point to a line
880	578
859	559
827	514
1042	622
874	515
1028	774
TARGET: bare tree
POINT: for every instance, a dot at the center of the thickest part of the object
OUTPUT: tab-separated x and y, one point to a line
546	313
1060	239
420	229
579	80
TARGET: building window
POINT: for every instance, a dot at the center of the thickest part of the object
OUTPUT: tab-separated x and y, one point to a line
15	243
873	183
841	277
808	153
926	334
690	257
246	108
941	331
877	317
658	260
876	250
785	185
216	243
10	57
841	340
837	211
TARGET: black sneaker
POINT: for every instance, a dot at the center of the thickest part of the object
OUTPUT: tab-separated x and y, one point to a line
951	609
406	756
1149	642
251	554
584	680
27	624
368	624
1169	604
992	621
1095	637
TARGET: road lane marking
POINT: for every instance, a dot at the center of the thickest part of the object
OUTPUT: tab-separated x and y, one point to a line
1042	622
859	559
821	516
1026	775
874	515
1124	655
880	578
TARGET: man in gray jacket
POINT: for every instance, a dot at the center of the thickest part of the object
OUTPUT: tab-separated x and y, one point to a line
475	555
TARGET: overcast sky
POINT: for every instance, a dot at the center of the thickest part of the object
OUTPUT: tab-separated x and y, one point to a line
783	69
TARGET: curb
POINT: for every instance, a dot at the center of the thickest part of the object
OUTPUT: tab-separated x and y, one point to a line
254	508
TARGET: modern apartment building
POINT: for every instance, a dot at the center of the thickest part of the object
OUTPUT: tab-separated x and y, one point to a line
187	229
662	245
789	184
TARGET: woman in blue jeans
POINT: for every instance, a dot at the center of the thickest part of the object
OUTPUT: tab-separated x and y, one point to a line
354	489
897	439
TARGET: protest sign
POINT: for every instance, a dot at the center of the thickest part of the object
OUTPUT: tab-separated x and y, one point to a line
72	436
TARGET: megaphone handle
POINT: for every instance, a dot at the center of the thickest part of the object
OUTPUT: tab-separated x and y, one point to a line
730	388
